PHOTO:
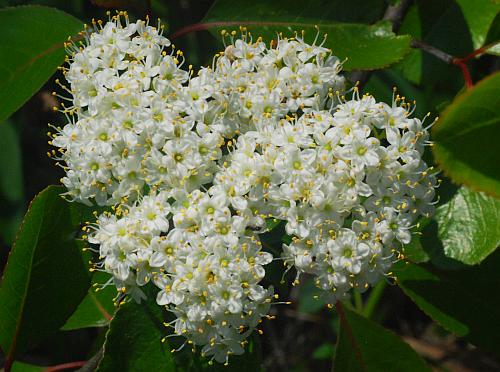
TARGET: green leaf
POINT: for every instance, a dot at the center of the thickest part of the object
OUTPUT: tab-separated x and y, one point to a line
463	301
11	171
466	137
464	230
45	278
366	47
479	15
363	345
31	48
469	226
133	342
97	308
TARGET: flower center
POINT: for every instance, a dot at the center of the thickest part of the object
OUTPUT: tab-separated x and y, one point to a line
362	150
347	252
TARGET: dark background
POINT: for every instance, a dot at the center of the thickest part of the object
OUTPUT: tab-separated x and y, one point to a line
302	337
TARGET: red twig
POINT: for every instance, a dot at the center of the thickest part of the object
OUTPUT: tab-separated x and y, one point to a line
347	328
478	52
465	71
61	367
451	60
462	63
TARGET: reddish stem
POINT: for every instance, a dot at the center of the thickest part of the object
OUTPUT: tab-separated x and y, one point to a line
61	367
477	52
462	63
347	328
465	72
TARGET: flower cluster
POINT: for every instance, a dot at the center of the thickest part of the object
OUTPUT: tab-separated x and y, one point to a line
349	185
258	86
194	164
207	266
136	121
144	121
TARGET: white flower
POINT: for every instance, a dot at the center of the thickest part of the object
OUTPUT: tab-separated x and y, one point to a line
346	252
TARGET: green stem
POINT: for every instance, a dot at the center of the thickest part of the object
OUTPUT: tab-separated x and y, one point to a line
374	298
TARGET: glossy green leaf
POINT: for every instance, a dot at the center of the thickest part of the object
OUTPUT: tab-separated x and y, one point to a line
365	47
366	346
479	15
469	226
11	171
466	137
45	278
97	308
31	48
133	342
462	301
465	229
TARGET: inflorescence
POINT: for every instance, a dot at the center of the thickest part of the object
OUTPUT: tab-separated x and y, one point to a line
193	165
